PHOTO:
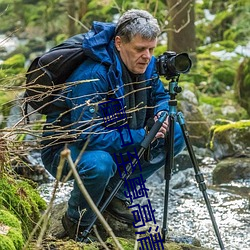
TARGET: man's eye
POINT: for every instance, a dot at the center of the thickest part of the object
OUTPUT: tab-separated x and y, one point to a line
139	50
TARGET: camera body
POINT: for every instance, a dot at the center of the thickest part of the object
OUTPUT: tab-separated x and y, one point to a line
171	65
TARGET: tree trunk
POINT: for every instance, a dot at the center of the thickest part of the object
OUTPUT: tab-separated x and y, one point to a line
181	27
83	7
71	6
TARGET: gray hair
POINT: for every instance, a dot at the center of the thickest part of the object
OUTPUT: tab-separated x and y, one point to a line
137	22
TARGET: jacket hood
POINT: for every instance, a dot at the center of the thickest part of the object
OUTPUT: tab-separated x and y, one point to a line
98	43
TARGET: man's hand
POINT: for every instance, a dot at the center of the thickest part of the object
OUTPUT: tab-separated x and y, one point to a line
164	128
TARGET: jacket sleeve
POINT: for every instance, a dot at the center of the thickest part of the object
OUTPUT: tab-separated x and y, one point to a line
86	120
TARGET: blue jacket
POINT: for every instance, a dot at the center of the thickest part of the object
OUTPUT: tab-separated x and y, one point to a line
103	69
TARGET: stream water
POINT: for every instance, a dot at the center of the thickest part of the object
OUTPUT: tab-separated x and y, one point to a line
187	212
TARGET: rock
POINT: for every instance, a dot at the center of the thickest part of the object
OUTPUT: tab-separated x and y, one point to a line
181	179
232	139
190	96
231	169
230	143
197	125
228	110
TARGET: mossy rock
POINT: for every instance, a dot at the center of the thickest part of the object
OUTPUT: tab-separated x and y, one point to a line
232	139
11	237
21	199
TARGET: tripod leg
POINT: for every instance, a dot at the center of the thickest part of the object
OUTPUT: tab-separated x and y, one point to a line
168	172
199	176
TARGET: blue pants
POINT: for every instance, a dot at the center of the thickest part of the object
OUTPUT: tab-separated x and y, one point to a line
98	171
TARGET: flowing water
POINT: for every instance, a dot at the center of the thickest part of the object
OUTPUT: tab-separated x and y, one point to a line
187	212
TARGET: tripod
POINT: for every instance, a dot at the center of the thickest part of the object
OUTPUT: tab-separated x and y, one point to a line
173	90
173	114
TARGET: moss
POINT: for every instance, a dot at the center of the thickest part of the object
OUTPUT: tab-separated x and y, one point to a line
126	243
16	237
221	122
13	239
173	246
22	200
129	245
229	45
16	61
13	71
214	101
6	243
220	131
235	125
9	219
219	102
60	38
225	75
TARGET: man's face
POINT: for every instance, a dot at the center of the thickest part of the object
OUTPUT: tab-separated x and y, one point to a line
136	54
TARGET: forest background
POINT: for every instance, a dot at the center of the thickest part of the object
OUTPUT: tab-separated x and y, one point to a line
214	33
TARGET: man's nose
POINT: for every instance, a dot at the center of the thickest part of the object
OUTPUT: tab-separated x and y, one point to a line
146	54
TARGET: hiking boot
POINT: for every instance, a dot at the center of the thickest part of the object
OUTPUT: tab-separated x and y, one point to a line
120	211
74	231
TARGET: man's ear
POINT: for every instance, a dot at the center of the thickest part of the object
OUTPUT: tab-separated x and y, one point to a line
118	43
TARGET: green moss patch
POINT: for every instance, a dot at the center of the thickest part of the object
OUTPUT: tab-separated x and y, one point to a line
231	134
10	231
22	200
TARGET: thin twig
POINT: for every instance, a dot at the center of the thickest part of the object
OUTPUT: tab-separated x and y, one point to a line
99	238
46	216
77	21
66	154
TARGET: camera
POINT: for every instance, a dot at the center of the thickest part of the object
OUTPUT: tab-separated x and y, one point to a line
171	65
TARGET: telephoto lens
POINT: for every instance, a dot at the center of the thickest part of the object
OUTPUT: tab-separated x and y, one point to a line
170	64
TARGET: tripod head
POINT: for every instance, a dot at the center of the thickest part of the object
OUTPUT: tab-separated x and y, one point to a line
174	89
